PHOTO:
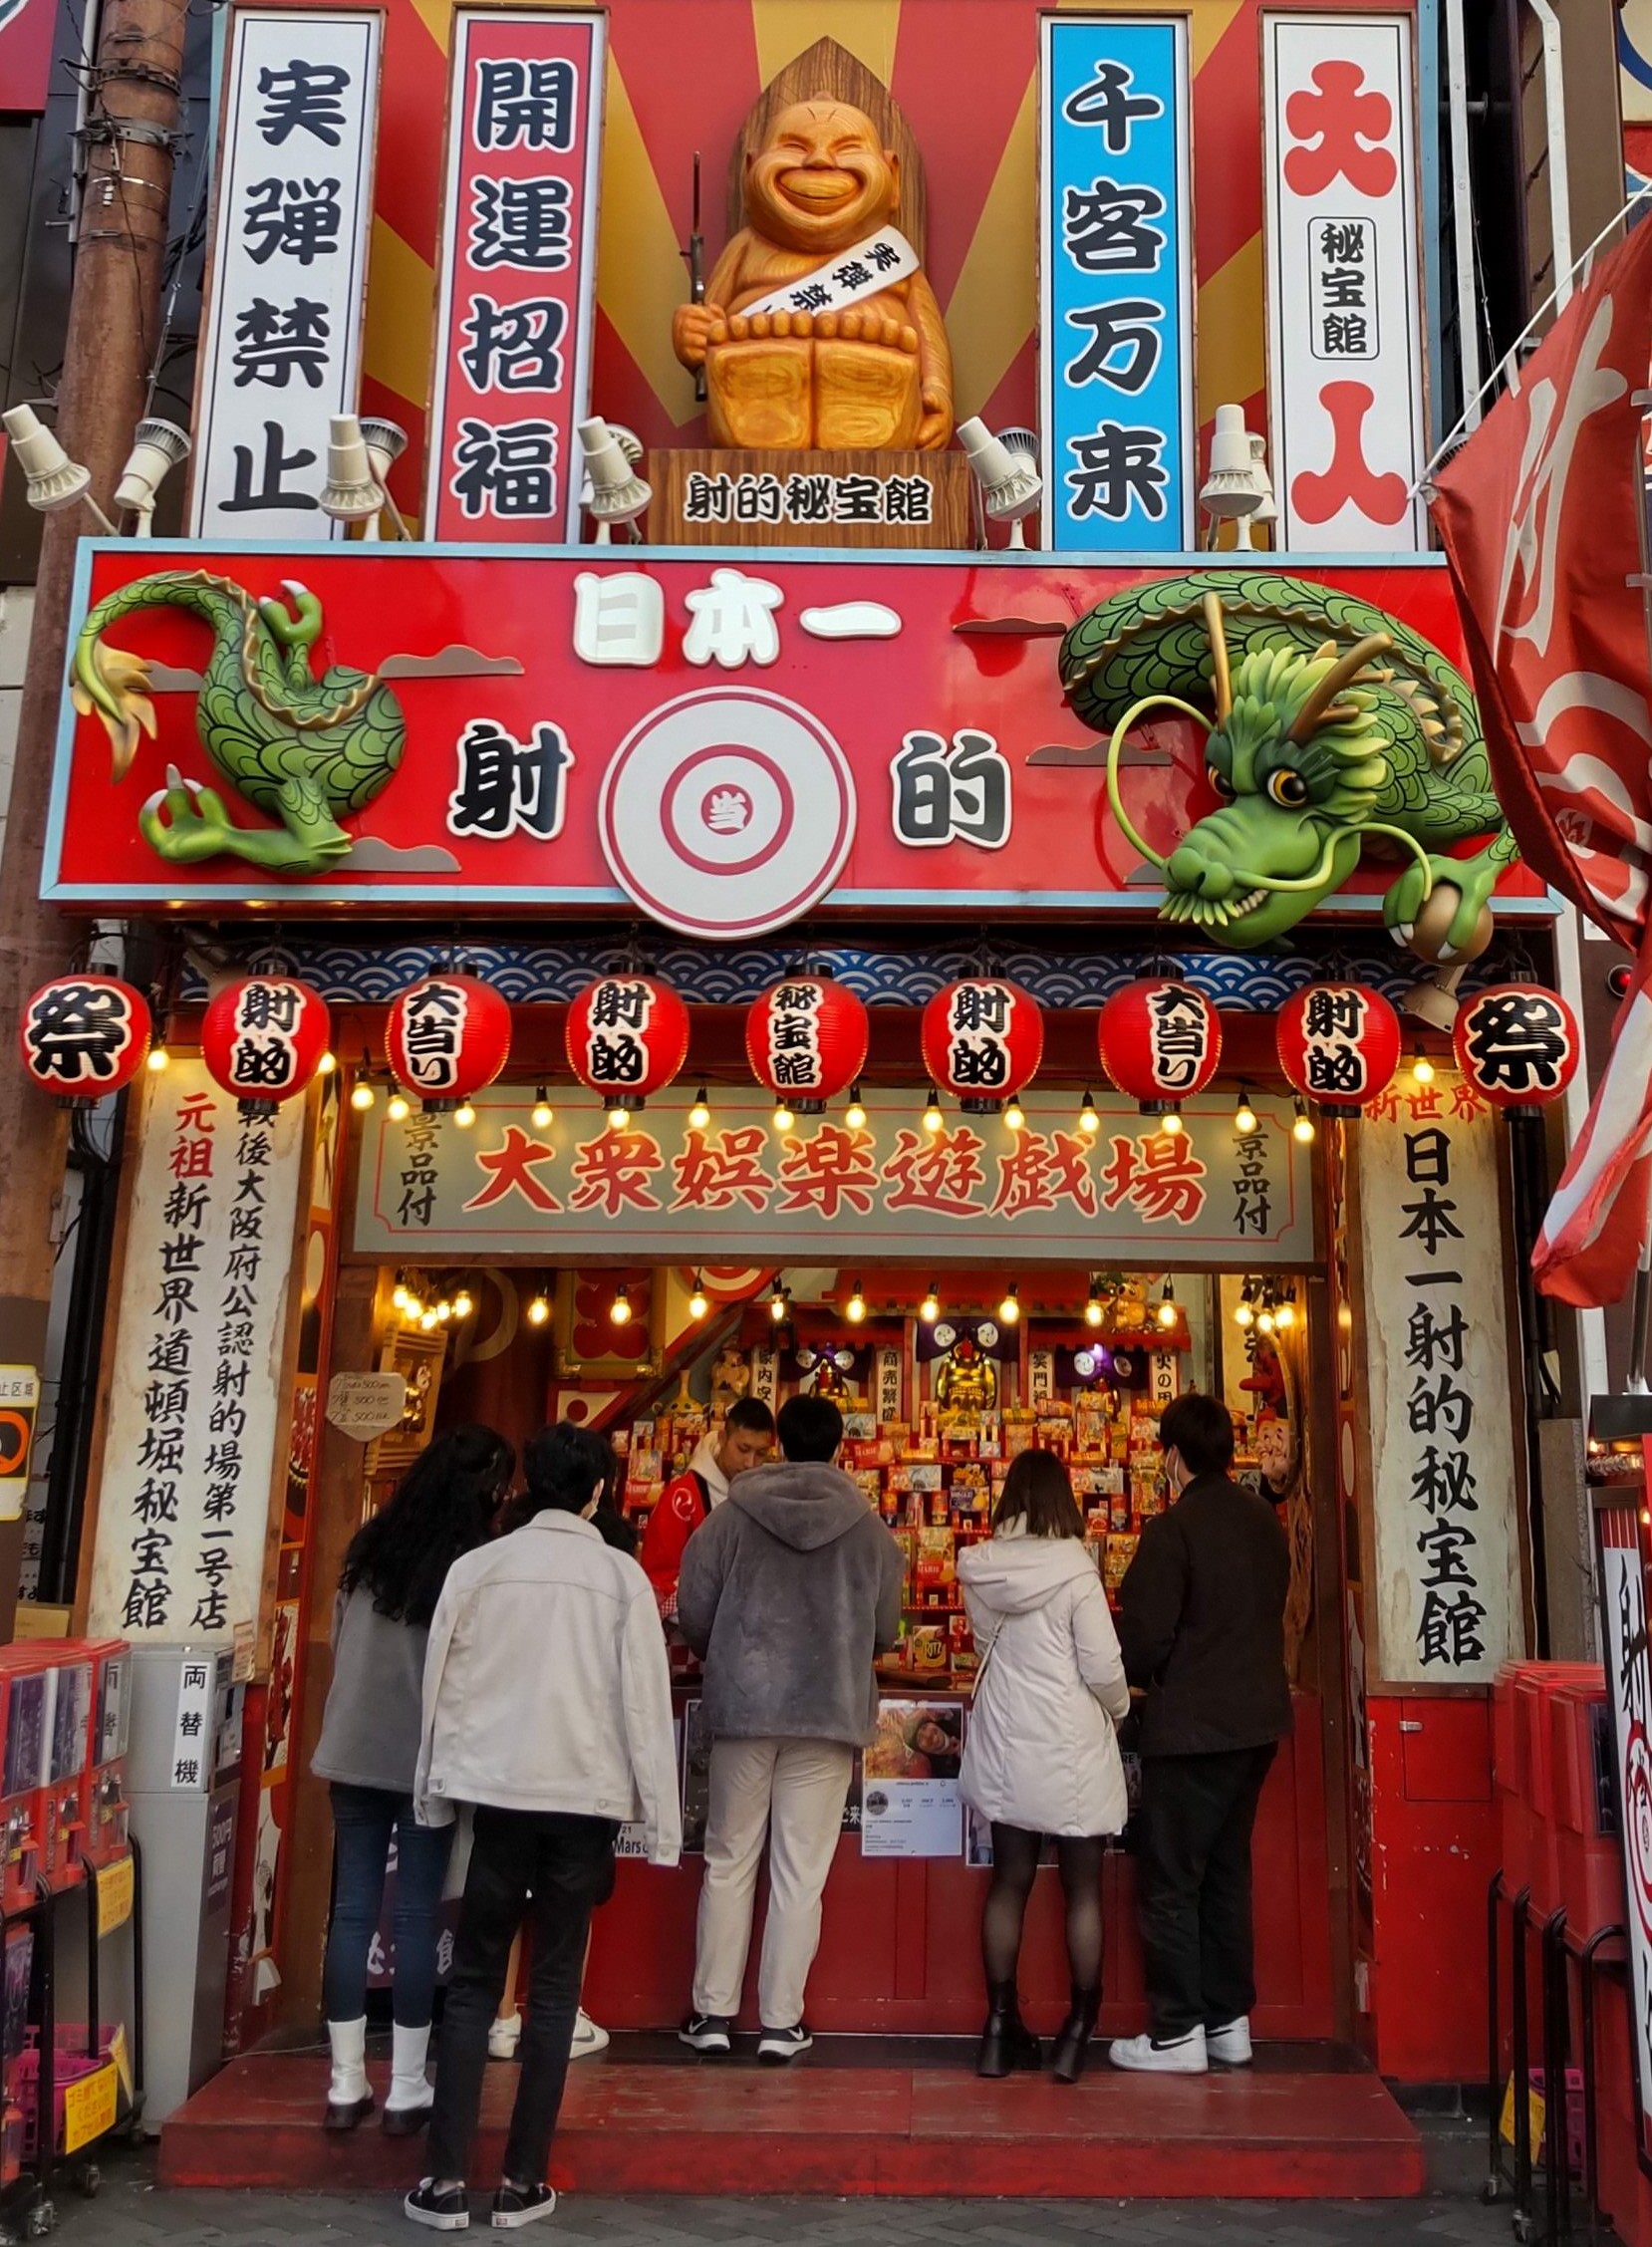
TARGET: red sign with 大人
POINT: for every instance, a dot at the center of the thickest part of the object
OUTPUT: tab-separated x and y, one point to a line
517	271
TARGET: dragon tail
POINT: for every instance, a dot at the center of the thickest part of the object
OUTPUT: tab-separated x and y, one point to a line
116	683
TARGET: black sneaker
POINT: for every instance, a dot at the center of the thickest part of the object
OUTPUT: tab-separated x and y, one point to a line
780	2045
437	2211
515	2205
707	2032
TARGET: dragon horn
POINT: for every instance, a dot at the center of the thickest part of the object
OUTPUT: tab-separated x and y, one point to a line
1221	677
1341	673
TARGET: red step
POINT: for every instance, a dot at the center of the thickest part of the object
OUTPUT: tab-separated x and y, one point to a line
739	2129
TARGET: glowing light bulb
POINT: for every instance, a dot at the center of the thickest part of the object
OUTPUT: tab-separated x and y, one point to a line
1172	1125
855	1114
544	1115
928	1311
697	1303
700	1115
444	1312
1265	1321
1302	1129
426	1319
618	1310
327	1064
464	1115
1093	1313
784	1120
160	1058
1011	1308
1284	1314
1166	1309
400	1298
619	1119
397	1107
934	1120
538	1311
1244	1314
1089	1120
464	1304
777	1304
855	1308
360	1096
1245	1117
1422	1068
1015	1117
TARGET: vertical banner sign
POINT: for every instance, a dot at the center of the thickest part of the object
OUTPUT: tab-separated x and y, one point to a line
1344	318
517	275
1621	1574
196	1394
1116	284
281	345
1442	1432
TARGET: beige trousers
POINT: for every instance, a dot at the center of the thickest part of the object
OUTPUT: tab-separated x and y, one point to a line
794	1790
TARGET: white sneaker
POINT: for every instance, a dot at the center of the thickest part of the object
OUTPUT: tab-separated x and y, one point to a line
1231	2044
504	2036
588	2037
1184	2056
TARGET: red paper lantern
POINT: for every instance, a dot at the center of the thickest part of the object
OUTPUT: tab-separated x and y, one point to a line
1160	1042
1518	1044
628	1036
263	1038
82	1036
806	1041
446	1037
1339	1045
983	1041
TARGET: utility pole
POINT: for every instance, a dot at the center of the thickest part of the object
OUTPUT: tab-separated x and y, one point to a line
128	143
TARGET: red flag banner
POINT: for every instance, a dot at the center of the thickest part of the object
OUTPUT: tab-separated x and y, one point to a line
1540	514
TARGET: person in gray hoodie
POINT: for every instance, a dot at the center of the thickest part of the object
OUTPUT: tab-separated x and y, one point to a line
789	1592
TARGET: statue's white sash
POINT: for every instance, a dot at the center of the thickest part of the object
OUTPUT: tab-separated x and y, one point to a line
871	265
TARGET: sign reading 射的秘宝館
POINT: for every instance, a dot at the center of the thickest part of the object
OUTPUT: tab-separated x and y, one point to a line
507	1188
1345	349
281	335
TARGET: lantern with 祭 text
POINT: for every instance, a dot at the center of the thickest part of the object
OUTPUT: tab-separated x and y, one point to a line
82	1036
806	1041
1160	1042
446	1037
983	1041
628	1036
1338	1044
1518	1045
263	1038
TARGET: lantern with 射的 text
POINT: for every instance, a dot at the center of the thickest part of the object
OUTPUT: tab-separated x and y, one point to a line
628	1036
84	1037
806	1041
446	1038
983	1043
1339	1045
1518	1044
263	1038
1159	1041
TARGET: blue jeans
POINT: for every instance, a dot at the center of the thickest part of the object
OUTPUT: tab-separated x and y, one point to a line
364	1819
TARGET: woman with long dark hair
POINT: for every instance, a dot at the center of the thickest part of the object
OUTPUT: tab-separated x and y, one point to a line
1042	1755
394	1572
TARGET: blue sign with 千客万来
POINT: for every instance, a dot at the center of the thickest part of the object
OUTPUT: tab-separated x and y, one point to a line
1116	284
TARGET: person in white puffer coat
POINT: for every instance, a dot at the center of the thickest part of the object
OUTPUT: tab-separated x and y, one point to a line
1041	1754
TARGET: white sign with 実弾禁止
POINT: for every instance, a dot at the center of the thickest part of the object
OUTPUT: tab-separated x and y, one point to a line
1442	1418
189	1450
1344	321
281	330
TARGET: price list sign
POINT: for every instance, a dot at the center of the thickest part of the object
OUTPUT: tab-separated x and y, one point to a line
517	275
1116	284
281	345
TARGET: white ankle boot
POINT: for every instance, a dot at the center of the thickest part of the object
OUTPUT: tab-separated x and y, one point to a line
349	2095
408	2105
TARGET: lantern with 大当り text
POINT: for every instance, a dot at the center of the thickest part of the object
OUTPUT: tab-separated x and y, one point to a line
628	1036
446	1037
1160	1042
1339	1045
263	1038
983	1041
82	1036
806	1041
1518	1044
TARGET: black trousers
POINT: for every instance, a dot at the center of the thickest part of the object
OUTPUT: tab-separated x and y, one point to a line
552	1871
1195	1865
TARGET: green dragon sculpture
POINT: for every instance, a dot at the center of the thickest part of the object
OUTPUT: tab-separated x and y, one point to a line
1333	724
301	750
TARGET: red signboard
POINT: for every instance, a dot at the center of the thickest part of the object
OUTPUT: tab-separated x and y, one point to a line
723	741
26	29
513	315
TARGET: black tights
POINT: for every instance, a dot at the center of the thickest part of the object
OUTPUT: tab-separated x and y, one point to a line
1014	1865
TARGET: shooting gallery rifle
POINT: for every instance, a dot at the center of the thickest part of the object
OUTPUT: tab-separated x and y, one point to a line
695	258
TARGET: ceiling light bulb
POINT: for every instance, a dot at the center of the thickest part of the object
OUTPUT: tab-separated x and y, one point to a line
777	1304
1172	1125
444	1312
400	1298
934	1120
697	1303
855	1308
464	1303
1245	1116
1302	1129
1093	1313
1244	1313
1422	1068
327	1064
1089	1121
538	1311
360	1096
160	1058
1285	1314
618	1310
928	1311
1167	1312
700	1115
784	1120
619	1119
426	1319
1011	1308
464	1115
397	1107
855	1114
1015	1117
543	1113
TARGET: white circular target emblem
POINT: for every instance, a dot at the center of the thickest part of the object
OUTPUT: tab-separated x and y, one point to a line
1637	1821
728	812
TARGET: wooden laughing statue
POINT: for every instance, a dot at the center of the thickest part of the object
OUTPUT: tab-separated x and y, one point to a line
819	330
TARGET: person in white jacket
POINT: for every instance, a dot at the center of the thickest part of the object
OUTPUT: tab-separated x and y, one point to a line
547	1705
1041	1754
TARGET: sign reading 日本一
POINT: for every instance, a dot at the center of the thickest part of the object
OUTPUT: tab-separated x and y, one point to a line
1116	234
1345	349
281	340
506	1186
1447	1570
517	275
189	1457
1621	1573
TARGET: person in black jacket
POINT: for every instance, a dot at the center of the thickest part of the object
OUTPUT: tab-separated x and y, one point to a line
1201	1629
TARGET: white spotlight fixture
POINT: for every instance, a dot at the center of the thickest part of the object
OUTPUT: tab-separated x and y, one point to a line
386	443
618	494
1232	489
156	446
1010	486
1266	508
54	480
350	494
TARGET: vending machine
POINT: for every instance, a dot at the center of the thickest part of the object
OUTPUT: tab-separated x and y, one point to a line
105	1814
